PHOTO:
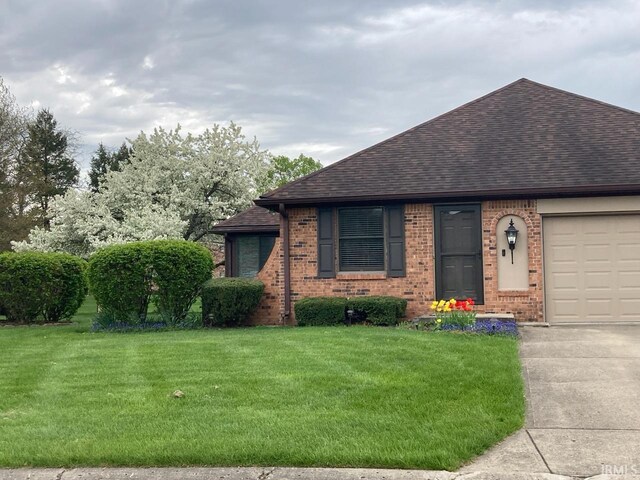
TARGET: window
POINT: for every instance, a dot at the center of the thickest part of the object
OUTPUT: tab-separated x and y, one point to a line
251	253
361	239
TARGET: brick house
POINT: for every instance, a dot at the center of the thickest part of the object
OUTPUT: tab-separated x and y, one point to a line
424	215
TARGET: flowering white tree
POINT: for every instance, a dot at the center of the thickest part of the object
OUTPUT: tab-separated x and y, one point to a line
175	186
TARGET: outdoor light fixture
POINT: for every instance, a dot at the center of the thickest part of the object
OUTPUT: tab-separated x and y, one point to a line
512	236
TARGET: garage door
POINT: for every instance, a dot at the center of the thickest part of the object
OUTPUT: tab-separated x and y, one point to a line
592	268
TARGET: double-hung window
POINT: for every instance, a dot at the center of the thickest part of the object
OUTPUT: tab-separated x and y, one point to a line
361	239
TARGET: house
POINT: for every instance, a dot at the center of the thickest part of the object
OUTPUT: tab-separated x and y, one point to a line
423	215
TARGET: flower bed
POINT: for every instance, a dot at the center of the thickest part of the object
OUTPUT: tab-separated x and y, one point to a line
487	327
458	315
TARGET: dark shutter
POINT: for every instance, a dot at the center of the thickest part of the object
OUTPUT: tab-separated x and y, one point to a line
326	243
395	241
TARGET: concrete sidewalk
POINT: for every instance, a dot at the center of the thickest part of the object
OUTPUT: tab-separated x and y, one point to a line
583	404
270	474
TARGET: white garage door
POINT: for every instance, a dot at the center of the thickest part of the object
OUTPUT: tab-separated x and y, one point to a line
592	268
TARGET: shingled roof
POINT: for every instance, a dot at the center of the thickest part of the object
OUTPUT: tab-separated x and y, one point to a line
254	219
525	139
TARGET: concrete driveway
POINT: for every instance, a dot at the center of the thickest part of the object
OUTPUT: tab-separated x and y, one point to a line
583	403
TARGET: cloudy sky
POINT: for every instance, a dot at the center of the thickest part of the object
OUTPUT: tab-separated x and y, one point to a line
324	78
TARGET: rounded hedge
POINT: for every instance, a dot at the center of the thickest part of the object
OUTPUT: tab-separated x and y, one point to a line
124	277
373	309
228	301
320	310
38	286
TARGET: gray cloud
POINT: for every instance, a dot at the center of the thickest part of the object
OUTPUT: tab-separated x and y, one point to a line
324	78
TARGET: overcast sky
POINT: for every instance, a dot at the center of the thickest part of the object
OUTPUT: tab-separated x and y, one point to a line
324	78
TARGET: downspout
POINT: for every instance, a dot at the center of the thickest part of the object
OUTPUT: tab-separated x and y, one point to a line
228	256
284	228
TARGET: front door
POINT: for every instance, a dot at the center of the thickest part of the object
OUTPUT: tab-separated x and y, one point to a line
458	245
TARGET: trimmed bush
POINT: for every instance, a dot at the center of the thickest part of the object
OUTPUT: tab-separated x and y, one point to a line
228	301
380	310
320	310
75	287
37	286
123	278
180	268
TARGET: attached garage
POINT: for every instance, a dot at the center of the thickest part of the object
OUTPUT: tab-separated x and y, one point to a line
592	268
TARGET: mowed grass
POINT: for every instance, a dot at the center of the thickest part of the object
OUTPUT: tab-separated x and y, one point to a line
366	397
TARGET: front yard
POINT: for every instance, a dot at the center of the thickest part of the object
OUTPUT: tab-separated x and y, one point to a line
313	396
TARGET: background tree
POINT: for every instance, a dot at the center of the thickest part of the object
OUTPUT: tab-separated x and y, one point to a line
173	186
16	217
104	161
51	170
283	170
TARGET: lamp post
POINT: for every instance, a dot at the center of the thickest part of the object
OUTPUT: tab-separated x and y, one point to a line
512	237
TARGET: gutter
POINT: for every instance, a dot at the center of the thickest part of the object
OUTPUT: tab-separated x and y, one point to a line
490	194
284	227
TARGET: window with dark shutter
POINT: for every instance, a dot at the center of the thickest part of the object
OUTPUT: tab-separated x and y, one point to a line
361	239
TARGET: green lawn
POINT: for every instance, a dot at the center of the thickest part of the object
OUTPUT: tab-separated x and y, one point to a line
368	397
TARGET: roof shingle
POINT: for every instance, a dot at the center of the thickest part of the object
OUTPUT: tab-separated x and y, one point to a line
525	139
254	219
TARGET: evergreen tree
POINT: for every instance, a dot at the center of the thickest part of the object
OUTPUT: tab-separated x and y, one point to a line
99	166
51	169
104	161
121	157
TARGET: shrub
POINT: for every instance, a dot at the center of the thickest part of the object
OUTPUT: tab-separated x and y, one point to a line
379	310
228	301
74	288
180	268
320	310
120	280
123	278
38	286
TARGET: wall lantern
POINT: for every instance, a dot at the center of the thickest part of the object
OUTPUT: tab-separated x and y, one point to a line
512	237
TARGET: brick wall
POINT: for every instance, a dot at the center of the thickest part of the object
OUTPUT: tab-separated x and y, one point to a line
525	305
418	286
271	307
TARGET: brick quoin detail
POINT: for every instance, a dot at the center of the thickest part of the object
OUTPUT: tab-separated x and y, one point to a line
418	286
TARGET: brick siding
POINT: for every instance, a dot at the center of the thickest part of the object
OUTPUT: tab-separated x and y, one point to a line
418	286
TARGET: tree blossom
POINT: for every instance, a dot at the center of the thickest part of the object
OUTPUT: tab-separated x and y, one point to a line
174	186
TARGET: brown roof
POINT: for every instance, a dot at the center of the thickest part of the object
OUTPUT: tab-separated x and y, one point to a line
254	219
525	139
